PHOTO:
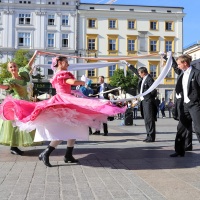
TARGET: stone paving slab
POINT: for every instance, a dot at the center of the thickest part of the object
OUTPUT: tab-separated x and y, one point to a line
119	166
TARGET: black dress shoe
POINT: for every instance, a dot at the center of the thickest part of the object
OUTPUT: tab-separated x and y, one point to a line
96	133
16	151
188	148
145	140
176	155
149	140
105	134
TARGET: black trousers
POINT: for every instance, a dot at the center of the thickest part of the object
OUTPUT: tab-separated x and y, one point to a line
189	113
149	114
183	138
105	127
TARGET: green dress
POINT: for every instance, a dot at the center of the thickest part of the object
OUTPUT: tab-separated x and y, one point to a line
10	135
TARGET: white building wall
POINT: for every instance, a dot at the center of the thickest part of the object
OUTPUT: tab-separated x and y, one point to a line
38	27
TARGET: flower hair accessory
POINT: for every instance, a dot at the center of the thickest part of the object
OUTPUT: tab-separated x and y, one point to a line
54	63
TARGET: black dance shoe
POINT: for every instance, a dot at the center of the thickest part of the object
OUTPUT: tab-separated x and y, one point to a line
96	133
70	159
176	155
16	151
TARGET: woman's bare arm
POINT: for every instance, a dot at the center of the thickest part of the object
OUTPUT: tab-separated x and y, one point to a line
75	82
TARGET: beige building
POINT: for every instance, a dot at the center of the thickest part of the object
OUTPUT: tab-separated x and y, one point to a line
194	51
127	30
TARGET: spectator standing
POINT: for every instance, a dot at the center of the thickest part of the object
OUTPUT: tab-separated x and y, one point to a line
170	106
162	108
157	104
135	109
103	87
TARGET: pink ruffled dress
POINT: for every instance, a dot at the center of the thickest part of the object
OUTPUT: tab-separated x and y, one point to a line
63	116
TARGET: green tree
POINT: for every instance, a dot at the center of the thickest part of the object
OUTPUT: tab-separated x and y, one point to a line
4	72
21	58
125	82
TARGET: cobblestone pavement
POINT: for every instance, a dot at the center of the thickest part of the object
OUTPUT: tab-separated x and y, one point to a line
119	166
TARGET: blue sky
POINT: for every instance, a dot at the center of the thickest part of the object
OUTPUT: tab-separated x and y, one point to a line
191	24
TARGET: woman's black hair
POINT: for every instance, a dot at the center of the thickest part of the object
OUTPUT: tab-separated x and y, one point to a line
59	58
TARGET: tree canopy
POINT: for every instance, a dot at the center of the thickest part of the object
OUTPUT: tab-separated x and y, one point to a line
21	58
125	82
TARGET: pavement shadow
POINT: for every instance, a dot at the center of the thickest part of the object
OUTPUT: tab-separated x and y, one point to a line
137	158
132	158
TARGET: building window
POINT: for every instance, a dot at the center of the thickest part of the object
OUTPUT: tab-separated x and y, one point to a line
169	75
51	2
65	40
112	45
153	25
50	39
24	18
131	45
65	3
168	26
0	19
91	23
20	1
131	24
112	69
91	44
112	23
153	45
24	39
91	72
29	2
153	71
51	19
50	72
168	46
65	20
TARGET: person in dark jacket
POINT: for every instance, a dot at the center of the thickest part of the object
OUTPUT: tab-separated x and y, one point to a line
188	84
162	108
183	139
147	104
103	87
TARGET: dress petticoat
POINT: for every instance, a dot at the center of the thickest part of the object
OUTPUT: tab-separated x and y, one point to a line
63	116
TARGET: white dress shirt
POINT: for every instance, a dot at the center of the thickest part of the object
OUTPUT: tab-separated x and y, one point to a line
101	90
185	84
141	89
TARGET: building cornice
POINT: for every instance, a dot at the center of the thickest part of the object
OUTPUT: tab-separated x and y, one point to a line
125	5
133	15
37	6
